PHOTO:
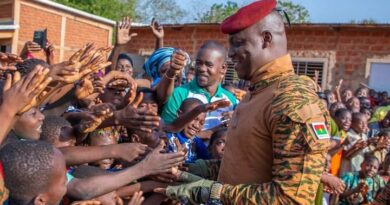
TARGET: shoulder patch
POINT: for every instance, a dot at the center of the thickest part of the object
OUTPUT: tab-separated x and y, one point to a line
320	130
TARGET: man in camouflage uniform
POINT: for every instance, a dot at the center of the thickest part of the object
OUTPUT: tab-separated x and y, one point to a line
277	140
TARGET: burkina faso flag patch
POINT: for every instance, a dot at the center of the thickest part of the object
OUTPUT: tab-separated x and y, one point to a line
320	130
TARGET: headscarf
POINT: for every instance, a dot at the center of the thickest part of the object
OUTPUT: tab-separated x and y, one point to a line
157	60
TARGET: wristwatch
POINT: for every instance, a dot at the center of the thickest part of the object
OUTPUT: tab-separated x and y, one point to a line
215	192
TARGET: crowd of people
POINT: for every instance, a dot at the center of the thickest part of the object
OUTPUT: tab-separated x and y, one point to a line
88	131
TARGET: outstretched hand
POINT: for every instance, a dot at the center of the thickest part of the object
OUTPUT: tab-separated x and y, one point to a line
123	35
100	113
158	162
20	94
135	118
8	61
158	30
209	107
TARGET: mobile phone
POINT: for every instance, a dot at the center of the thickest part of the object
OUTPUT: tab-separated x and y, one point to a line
40	37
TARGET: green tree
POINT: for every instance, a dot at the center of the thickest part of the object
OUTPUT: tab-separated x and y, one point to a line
112	9
165	11
296	13
218	12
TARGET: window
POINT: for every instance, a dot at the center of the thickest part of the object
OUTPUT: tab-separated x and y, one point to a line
302	66
377	73
309	66
231	75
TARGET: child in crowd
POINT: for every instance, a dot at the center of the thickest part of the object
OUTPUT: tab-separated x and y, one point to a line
43	181
362	92
356	147
217	143
353	104
187	138
343	119
346	94
106	136
362	186
58	132
367	112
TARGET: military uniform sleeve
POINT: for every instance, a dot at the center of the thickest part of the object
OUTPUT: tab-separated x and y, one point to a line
207	169
299	153
169	111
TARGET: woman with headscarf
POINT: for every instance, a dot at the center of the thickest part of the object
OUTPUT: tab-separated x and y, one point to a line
159	62
165	66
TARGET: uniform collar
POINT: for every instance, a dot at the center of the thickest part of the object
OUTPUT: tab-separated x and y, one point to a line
271	71
194	87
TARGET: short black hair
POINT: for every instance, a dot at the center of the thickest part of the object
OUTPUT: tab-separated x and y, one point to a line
27	65
357	116
51	128
189	104
214	45
27	167
370	158
216	135
342	111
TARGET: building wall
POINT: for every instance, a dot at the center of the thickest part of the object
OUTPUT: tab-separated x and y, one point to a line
6	7
344	49
66	31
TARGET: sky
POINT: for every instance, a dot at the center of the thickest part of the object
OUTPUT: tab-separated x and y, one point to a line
321	11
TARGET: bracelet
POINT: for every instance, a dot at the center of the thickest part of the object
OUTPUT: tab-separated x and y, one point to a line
170	78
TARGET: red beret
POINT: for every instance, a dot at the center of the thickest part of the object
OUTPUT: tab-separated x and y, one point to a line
247	16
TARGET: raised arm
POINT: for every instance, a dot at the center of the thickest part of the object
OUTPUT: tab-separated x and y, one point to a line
158	32
123	37
165	87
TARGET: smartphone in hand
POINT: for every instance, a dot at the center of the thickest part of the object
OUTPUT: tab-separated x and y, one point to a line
40	37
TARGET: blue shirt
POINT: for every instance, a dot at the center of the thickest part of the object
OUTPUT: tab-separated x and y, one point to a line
196	149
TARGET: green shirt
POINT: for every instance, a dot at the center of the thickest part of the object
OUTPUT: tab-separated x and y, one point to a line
192	90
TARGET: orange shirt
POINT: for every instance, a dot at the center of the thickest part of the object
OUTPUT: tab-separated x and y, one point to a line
335	162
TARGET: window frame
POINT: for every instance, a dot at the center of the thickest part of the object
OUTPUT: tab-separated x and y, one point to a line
325	67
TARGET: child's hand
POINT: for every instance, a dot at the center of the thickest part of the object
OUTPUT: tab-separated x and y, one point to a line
137	199
130	151
209	107
360	144
8	61
361	187
99	113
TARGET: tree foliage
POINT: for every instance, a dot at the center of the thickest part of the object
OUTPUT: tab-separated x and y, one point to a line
218	12
112	9
165	11
296	13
